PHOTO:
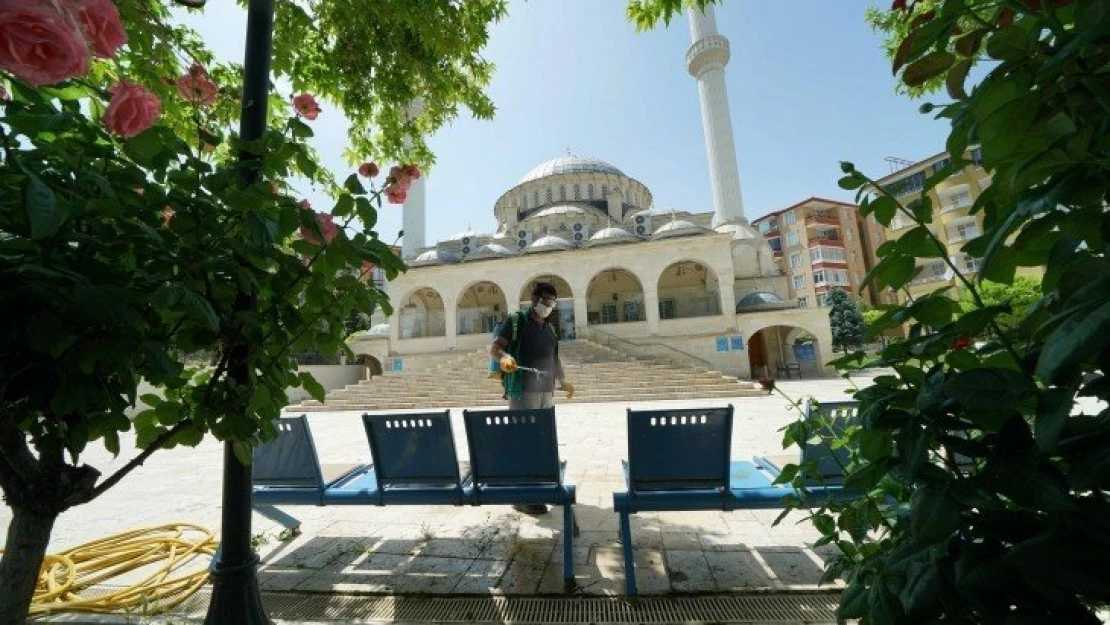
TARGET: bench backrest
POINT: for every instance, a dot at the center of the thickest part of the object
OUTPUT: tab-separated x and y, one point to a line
687	449
512	446
290	459
838	415
412	449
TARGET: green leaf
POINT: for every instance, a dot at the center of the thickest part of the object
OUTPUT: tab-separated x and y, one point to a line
954	82
850	182
884	207
854	601
200	310
893	271
1052	413
993	389
1008	44
42	208
934	516
111	442
312	386
929	66
1076	340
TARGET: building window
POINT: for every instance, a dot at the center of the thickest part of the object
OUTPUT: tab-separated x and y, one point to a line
823	299
977	156
799	281
632	310
609	313
971	264
939	165
849	235
790	218
549	195
766	226
795	260
775	244
604	191
577	192
791	238
957	200
908	185
667	309
803	302
590	191
562	193
536	198
965	231
818	277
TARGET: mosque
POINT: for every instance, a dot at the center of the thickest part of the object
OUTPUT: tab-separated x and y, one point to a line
703	286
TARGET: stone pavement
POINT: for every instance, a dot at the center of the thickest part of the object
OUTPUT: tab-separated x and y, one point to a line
486	550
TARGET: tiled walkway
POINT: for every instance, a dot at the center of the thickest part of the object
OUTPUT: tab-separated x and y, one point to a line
489	549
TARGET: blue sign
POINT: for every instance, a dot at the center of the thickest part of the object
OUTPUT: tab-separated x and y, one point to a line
805	352
397	365
722	344
737	343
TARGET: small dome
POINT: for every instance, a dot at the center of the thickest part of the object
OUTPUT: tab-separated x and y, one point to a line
469	234
434	257
382	329
760	300
570	165
611	236
562	209
548	243
738	231
492	250
677	228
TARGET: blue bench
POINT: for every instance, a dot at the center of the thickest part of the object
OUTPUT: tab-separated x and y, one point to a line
680	460
514	460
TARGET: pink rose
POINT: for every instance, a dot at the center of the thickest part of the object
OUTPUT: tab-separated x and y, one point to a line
327	226
167	214
103	28
131	110
306	205
368	169
195	87
39	44
306	106
412	171
396	194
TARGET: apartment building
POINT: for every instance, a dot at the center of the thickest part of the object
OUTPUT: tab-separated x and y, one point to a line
819	246
953	222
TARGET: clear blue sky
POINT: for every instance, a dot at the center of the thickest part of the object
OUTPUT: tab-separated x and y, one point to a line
808	86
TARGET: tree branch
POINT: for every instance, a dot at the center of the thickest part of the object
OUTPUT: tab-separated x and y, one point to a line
154	446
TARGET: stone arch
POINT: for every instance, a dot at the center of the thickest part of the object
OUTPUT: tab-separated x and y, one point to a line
422	314
481	306
772	352
372	364
688	288
615	295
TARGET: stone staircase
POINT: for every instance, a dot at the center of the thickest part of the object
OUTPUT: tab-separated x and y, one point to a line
599	374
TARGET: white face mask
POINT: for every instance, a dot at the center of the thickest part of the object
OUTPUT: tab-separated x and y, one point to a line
542	310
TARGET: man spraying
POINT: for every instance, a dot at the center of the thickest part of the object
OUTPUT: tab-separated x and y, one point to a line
526	349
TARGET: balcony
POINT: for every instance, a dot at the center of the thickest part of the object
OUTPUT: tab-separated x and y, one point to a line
821	220
958	235
829	241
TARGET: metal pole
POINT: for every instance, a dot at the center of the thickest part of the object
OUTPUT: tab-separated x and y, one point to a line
236	599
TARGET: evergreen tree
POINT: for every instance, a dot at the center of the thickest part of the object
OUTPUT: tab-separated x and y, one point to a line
846	321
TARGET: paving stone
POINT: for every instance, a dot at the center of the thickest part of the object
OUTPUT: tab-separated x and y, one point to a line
481	578
738	570
686	541
688	571
792	566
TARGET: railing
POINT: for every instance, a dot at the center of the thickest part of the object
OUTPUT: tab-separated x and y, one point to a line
825	241
635	349
814	220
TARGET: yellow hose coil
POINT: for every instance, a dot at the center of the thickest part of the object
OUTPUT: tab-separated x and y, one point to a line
165	549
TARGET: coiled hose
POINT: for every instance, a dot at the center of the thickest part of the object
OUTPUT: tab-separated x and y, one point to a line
169	552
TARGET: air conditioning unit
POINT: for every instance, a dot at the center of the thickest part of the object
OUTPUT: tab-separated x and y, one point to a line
466	248
580	233
523	239
466	240
643	225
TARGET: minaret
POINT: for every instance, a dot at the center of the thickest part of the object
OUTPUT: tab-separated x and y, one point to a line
706	60
412	215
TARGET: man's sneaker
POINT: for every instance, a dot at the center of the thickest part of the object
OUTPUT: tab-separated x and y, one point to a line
531	508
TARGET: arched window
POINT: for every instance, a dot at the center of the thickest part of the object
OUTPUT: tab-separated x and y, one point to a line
536	198
604	191
549	195
562	193
577	192
590	191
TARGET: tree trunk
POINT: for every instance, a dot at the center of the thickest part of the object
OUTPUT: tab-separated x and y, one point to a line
28	536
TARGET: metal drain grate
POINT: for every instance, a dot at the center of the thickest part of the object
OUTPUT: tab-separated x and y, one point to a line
754	608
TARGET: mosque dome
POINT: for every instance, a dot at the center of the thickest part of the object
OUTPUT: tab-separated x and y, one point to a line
738	231
611	236
548	243
382	329
560	210
468	235
492	250
760	300
677	228
434	257
570	165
